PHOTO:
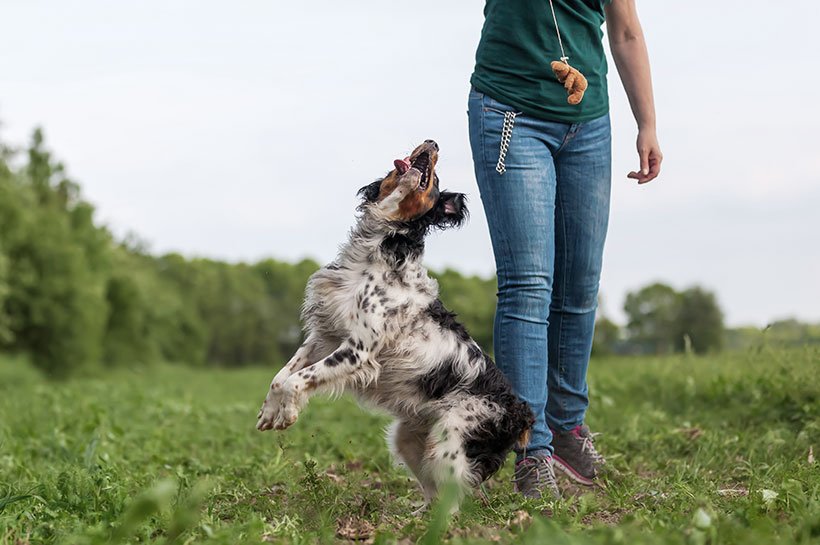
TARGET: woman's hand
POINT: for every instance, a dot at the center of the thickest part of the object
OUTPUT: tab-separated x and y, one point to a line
628	48
649	153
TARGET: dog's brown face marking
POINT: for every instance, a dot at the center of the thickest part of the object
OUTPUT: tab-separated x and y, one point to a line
417	188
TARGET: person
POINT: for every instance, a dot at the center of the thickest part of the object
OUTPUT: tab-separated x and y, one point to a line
543	168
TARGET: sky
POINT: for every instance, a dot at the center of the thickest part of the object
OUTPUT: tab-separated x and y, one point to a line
242	130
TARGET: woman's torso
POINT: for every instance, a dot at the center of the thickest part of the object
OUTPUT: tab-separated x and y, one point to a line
519	41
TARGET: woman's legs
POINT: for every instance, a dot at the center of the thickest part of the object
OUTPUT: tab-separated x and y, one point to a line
547	216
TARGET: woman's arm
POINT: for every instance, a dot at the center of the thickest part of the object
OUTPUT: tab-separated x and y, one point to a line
632	60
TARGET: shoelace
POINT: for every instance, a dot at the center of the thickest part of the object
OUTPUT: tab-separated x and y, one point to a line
588	446
542	478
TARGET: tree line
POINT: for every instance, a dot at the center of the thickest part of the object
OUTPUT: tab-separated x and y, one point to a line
73	297
662	320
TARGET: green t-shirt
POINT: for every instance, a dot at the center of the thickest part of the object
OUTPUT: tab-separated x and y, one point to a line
518	42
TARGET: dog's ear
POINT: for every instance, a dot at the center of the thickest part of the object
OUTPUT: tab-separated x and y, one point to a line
452	209
370	192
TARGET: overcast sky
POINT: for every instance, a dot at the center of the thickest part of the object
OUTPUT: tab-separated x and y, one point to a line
241	130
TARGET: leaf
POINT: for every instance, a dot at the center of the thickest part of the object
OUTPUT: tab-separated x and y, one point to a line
702	520
153	500
769	496
8	500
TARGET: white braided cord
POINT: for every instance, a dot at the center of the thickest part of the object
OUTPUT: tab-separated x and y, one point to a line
560	42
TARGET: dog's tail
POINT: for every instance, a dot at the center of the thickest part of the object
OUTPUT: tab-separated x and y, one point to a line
524	439
525	419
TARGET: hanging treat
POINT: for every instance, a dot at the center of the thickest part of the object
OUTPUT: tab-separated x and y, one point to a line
574	81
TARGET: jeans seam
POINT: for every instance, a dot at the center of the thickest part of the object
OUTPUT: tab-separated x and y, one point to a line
482	113
560	342
568	136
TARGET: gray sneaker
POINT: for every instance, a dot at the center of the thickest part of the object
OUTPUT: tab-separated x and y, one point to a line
575	454
535	477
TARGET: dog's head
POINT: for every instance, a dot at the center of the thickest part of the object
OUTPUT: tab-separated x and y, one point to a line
410	195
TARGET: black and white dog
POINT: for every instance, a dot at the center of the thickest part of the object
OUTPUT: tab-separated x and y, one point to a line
376	327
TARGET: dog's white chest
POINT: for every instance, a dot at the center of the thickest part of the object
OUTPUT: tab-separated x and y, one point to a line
371	300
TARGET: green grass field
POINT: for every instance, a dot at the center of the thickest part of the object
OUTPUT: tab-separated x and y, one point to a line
701	450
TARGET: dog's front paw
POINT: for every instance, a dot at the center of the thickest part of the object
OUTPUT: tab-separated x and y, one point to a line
291	404
287	415
280	411
267	415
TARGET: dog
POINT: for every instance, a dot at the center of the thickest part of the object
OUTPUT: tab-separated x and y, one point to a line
374	326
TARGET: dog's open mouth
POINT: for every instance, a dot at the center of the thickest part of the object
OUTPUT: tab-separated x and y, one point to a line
416	172
422	164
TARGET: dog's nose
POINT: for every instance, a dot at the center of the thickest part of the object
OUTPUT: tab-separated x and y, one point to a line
432	143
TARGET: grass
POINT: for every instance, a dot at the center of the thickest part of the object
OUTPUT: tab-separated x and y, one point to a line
701	450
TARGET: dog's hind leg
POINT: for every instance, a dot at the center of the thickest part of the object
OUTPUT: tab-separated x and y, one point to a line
408	444
446	456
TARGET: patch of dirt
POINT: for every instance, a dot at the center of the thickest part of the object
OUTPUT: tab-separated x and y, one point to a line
571	489
480	532
652	496
355	529
8	537
605	517
691	433
375	484
522	519
354	465
733	491
274	490
336	478
645	473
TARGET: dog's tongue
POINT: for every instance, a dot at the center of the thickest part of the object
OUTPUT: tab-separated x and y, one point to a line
402	165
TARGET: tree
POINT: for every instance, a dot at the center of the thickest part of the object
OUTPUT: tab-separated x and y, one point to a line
663	320
473	299
700	320
6	336
607	335
652	315
53	303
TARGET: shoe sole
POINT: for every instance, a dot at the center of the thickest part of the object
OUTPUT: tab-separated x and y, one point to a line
571	473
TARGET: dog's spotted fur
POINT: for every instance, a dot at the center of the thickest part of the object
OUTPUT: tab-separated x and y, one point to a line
376	327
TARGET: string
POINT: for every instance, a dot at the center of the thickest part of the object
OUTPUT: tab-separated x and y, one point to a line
560	43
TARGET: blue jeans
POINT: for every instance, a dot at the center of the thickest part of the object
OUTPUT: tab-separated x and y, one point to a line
548	217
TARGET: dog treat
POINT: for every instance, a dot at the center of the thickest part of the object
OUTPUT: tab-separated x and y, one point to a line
574	81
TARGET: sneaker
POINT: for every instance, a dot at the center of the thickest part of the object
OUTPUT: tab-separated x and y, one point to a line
575	454
535	477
